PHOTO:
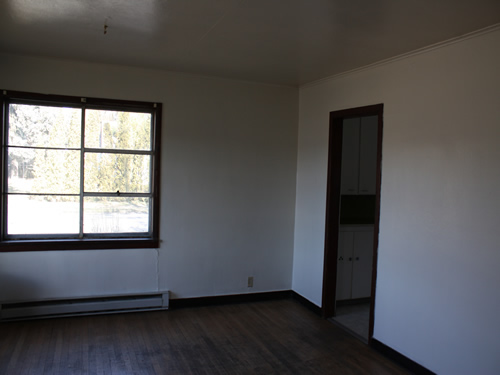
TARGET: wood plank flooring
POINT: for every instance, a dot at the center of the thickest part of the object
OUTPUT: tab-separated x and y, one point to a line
271	337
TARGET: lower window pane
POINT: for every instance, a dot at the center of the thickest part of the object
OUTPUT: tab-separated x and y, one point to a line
116	215
29	214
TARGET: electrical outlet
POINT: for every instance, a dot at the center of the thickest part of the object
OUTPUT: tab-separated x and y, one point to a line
250	281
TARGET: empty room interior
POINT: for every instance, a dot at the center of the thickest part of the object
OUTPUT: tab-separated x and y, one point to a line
331	162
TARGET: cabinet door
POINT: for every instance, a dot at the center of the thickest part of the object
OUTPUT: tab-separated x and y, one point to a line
362	264
350	156
344	265
368	155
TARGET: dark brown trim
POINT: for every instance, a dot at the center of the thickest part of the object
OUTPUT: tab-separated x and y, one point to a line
156	173
369	110
400	359
3	170
376	225
333	206
332	216
179	303
76	100
85	244
306	303
8	244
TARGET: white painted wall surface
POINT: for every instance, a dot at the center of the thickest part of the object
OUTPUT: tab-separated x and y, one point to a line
227	187
53	274
437	295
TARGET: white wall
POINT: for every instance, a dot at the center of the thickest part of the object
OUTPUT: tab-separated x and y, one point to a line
437	295
227	187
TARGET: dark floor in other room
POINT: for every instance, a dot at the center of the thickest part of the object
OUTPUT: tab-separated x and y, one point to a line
355	318
271	337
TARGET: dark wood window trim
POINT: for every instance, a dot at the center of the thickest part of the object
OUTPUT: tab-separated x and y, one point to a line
150	241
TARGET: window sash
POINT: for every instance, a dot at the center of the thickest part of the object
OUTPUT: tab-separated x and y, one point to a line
145	238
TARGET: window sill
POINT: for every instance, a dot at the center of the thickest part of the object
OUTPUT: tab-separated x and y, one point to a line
84	244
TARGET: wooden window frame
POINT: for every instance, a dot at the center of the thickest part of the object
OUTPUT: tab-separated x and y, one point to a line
106	242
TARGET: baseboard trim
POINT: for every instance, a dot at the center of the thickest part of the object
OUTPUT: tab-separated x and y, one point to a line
306	303
399	358
179	303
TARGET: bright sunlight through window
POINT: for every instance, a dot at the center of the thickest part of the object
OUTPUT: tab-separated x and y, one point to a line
79	170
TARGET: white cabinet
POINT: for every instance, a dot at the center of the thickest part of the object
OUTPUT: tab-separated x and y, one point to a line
349	178
359	156
344	265
354	262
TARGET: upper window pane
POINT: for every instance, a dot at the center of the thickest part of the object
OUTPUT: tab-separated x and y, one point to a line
44	126
117	130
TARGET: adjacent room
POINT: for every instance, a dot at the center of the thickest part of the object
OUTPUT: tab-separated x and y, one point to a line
264	187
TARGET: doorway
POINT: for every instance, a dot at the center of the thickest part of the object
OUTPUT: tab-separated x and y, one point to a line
335	229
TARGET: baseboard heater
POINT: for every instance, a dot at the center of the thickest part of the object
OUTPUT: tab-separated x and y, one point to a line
22	310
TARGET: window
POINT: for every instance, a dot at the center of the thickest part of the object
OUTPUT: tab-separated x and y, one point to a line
78	173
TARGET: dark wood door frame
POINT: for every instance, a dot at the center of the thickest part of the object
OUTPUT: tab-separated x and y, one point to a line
333	207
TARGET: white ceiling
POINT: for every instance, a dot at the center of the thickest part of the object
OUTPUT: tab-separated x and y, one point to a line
277	41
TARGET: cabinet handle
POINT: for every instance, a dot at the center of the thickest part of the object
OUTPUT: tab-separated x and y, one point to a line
350	259
357	258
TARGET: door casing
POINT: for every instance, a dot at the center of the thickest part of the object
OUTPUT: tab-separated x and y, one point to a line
333	207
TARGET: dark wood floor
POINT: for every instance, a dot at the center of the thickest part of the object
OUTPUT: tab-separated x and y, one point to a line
272	337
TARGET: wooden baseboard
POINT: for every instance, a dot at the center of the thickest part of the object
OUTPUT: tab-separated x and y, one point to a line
179	303
399	358
228	299
305	302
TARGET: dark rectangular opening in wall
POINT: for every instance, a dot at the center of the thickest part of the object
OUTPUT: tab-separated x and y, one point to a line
357	209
